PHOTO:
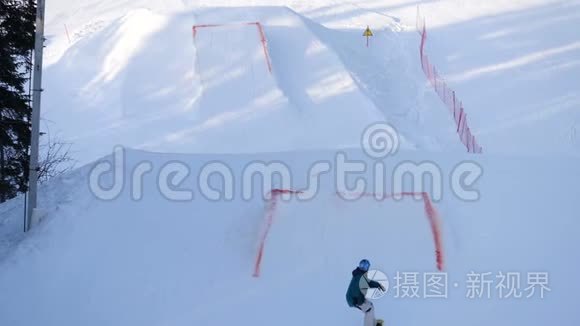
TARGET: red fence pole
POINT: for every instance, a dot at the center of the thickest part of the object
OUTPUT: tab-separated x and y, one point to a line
460	118
454	108
423	39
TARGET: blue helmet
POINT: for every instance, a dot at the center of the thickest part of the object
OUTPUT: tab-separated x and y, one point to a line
364	265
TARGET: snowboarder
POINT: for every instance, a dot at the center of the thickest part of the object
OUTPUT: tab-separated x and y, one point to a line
355	295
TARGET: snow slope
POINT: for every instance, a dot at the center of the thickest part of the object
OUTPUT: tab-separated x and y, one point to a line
145	81
156	261
495	54
157	87
133	74
516	72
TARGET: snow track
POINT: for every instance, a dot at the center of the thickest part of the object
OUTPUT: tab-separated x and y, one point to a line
293	92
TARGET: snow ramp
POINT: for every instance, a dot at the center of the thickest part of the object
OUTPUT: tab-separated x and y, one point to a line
151	256
147	258
148	81
264	75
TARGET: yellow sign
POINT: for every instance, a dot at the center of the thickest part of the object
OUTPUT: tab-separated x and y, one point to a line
368	32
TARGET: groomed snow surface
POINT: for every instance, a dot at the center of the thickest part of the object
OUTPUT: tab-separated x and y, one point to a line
296	85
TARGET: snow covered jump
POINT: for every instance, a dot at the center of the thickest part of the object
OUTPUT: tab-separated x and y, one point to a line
229	172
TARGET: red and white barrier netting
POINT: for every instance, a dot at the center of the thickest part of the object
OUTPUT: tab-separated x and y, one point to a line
447	95
430	213
261	34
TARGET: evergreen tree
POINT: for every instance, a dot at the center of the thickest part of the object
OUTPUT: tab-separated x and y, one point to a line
17	28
